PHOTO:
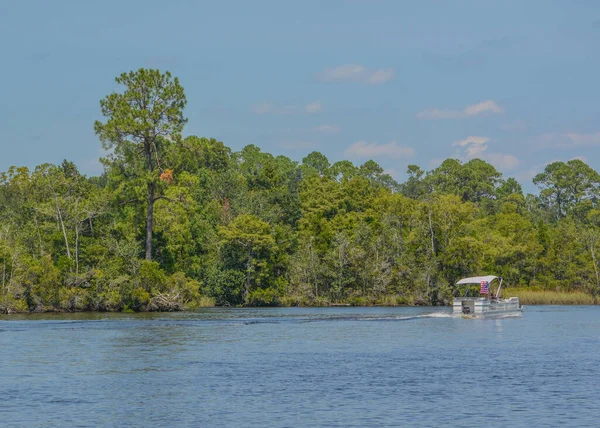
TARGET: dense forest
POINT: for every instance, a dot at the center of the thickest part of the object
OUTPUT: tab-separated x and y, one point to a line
176	223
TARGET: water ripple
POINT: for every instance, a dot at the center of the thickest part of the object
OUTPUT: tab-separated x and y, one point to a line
301	367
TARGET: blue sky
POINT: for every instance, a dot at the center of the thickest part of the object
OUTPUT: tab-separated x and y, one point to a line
401	82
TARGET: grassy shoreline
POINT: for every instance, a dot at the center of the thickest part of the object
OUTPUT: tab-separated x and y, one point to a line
526	296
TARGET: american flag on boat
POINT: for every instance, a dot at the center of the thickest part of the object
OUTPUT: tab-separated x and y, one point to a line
484	288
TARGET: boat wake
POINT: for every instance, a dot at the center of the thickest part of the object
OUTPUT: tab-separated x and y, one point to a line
357	317
379	317
415	317
438	315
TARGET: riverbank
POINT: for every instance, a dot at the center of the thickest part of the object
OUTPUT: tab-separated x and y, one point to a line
526	296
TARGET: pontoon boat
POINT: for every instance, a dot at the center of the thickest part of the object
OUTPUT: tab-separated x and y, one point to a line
486	303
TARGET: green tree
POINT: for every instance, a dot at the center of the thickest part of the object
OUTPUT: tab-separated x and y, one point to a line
564	185
376	175
415	186
195	153
316	162
343	170
475	181
250	243
140	124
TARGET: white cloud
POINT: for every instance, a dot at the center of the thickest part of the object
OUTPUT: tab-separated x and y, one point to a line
363	149
476	146
487	106
343	72
583	139
270	108
327	129
502	160
313	107
568	140
381	75
356	73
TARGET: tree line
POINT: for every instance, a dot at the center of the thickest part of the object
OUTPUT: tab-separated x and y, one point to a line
176	223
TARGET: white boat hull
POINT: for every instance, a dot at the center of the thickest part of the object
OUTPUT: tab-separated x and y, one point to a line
482	307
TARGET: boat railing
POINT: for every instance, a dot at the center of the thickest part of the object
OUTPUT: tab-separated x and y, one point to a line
505	304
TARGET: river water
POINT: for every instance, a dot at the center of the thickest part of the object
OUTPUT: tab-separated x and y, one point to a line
301	367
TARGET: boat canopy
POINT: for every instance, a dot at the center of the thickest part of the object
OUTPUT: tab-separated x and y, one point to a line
477	279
